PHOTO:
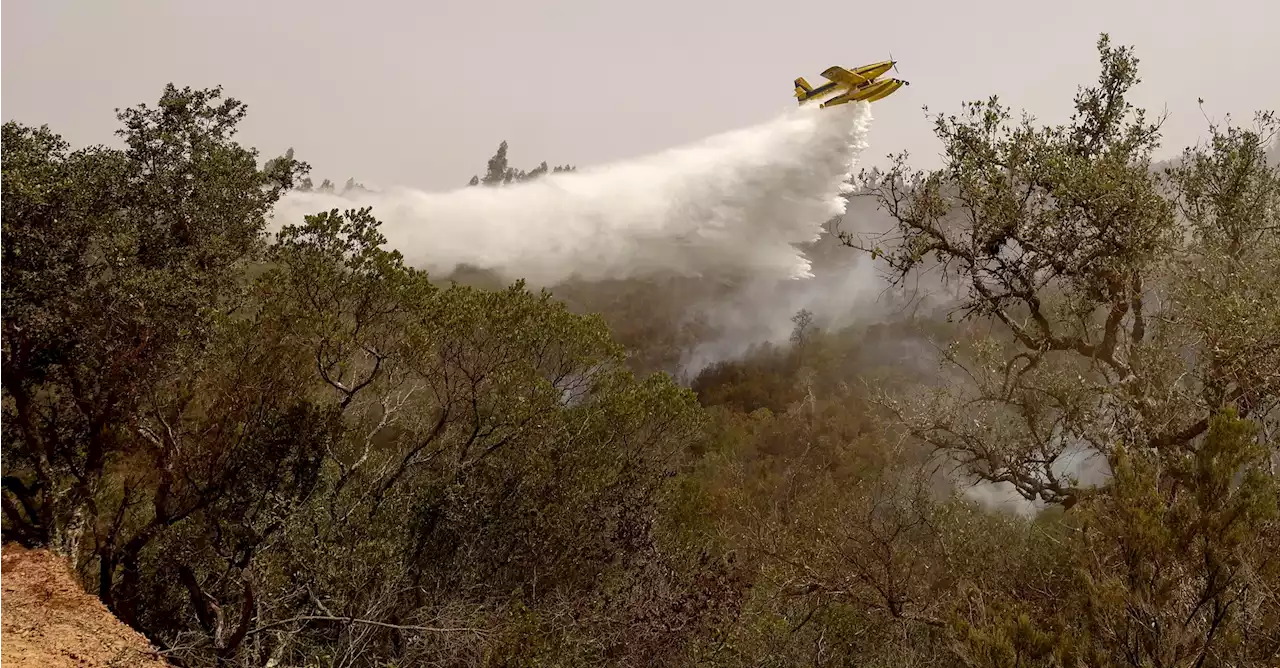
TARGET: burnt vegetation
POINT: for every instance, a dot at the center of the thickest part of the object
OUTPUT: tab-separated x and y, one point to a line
295	450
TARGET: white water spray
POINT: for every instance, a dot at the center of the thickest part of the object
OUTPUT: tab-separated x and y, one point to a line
729	206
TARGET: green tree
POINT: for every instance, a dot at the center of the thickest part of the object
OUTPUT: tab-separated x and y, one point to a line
1067	238
450	402
1136	321
117	264
1173	568
307	449
497	173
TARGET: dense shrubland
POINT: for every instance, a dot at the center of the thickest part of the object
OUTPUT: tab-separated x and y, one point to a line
296	450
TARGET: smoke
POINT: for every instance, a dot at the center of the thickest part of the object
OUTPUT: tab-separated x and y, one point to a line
730	207
847	288
761	310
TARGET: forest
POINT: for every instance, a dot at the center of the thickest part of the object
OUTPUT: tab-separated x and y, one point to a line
293	449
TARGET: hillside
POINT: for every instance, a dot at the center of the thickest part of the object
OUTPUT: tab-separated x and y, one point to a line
50	622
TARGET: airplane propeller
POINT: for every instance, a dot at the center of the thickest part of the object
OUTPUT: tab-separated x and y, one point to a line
895	69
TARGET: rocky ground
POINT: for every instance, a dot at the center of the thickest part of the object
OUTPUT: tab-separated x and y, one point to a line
49	621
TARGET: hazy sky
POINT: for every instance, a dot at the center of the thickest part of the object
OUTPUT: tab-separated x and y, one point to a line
420	93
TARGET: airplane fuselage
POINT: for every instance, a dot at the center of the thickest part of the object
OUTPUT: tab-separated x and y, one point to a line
822	91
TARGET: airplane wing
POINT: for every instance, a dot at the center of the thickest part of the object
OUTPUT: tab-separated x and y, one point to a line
841	75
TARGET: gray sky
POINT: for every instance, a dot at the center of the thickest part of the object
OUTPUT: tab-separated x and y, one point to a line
420	93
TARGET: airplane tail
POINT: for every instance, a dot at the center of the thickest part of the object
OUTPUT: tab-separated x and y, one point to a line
802	88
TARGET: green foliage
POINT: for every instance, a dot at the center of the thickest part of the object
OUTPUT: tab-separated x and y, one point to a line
1068	239
116	266
1178	568
197	442
1171	568
1136	322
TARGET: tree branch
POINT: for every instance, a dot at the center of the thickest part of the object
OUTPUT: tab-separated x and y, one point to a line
369	622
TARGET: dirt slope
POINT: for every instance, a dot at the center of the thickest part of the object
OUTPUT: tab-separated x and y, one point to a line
49	621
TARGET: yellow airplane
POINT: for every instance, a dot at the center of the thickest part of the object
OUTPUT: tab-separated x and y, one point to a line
857	85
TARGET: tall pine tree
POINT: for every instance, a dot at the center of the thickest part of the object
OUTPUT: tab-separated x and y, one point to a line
501	173
497	173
